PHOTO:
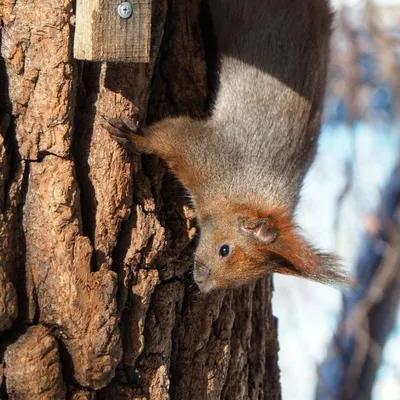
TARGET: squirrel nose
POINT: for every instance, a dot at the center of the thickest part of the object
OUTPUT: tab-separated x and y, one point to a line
204	283
206	286
200	280
203	279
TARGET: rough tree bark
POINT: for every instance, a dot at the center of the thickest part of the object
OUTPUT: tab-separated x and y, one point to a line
95	243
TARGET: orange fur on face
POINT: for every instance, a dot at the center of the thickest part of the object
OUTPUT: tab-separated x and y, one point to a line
256	253
240	269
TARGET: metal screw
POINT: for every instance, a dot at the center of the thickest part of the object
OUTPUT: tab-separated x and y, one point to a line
125	10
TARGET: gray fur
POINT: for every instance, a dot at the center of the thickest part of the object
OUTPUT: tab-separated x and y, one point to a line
267	113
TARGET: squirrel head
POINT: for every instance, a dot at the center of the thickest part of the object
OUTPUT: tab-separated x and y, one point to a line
242	245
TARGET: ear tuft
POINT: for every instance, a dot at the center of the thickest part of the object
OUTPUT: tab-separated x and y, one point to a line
324	268
295	256
331	271
260	229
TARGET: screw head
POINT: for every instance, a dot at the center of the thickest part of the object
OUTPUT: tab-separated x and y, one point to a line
125	10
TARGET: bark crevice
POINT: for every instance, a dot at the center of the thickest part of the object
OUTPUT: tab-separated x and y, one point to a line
8	144
87	93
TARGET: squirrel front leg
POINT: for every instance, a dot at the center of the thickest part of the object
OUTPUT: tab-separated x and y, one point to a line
171	139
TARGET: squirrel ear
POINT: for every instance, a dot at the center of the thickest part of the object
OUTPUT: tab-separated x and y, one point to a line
260	229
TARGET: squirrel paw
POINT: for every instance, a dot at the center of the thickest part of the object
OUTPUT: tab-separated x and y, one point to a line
121	131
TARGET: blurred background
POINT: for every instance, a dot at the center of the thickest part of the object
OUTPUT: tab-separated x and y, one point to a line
347	345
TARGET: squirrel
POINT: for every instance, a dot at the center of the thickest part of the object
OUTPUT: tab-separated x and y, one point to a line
244	164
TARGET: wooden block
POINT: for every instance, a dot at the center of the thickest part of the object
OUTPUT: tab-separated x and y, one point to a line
102	35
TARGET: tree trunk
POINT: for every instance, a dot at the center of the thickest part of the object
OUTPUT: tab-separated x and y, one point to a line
95	243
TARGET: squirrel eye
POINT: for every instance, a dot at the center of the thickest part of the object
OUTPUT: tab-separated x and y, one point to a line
224	250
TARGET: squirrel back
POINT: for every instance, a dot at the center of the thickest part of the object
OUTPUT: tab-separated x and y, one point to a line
273	63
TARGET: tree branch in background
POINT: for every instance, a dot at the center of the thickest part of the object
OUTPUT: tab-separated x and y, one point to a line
369	310
351	86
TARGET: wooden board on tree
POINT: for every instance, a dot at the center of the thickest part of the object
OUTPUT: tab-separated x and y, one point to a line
111	30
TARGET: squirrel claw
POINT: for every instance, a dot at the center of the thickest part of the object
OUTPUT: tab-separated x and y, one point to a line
122	141
116	132
120	136
123	132
128	127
